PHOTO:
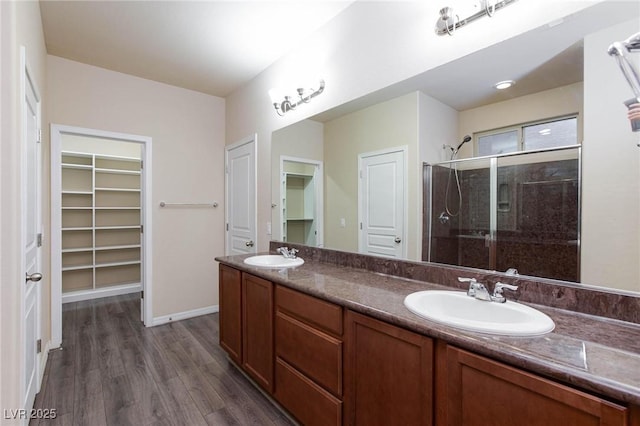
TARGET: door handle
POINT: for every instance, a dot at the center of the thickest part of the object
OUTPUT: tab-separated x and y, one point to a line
249	243
35	277
398	240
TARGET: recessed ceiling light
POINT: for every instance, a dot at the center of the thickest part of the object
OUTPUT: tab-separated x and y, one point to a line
501	85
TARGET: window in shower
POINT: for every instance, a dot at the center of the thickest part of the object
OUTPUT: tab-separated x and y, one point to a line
532	136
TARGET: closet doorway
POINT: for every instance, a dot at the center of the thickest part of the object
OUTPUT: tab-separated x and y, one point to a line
100	218
301	200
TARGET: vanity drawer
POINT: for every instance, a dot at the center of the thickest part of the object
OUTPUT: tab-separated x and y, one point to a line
316	354
316	312
307	401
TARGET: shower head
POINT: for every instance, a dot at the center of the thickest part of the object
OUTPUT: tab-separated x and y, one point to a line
465	140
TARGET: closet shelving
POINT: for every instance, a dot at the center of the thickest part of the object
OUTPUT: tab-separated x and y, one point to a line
101	223
298	211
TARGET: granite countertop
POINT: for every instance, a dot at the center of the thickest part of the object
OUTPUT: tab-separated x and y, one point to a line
594	353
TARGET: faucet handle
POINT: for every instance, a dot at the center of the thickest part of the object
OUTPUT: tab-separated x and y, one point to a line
499	288
292	253
283	251
473	285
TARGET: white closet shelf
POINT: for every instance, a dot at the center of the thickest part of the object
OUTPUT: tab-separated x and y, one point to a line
79	228
112	264
77	208
116	157
117	208
118	189
299	219
77	250
102	228
78	192
117	171
129	246
76	268
87	167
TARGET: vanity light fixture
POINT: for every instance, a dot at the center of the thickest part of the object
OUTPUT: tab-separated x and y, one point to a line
501	85
286	103
449	20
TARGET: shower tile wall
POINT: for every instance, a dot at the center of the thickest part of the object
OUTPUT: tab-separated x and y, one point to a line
538	234
537	219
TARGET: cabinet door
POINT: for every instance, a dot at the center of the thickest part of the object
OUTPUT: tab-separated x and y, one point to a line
257	329
474	390
388	374
230	285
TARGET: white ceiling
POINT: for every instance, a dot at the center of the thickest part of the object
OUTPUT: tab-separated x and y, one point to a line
212	47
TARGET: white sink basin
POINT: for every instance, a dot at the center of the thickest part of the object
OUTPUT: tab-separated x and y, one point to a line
273	261
456	309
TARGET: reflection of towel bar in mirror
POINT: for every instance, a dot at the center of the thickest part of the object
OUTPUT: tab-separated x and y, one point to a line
165	204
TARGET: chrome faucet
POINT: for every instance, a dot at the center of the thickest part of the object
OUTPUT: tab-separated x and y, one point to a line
479	291
476	289
287	252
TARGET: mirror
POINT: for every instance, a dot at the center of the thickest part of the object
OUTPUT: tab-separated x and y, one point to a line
409	124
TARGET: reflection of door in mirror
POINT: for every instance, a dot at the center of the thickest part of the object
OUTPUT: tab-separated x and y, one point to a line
301	201
382	201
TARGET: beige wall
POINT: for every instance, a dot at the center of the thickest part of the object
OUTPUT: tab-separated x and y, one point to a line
389	124
188	130
300	140
611	169
538	106
21	26
438	126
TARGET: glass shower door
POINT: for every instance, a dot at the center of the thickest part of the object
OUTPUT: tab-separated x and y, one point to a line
460	213
537	213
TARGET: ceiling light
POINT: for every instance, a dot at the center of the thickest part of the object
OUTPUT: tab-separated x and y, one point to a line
286	103
501	85
449	20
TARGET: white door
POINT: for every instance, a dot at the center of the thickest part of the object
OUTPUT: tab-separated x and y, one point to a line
241	197
31	239
382	193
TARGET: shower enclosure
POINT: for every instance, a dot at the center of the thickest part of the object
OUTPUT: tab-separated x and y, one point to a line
518	210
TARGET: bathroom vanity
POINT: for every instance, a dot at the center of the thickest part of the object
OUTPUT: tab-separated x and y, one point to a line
335	345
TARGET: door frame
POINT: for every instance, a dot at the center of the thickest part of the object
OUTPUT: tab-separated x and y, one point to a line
318	181
405	198
251	139
26	80
57	130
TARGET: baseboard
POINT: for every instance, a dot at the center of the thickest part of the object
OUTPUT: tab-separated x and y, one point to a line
77	296
185	315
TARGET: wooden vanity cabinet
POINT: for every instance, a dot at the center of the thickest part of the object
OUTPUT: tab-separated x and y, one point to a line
246	323
388	374
230	293
329	366
257	329
474	390
308	344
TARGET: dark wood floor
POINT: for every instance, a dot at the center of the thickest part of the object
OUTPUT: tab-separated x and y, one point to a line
114	371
